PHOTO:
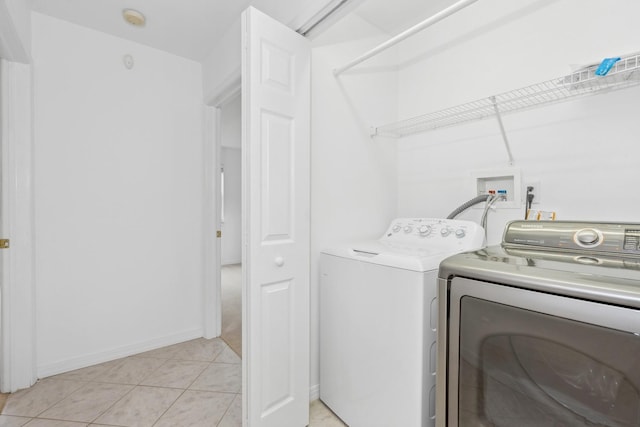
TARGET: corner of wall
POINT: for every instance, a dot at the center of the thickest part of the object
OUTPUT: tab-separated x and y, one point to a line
15	31
221	68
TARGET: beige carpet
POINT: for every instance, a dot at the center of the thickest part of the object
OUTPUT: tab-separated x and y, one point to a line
232	306
3	400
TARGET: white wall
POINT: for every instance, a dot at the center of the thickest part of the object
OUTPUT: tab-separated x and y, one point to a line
582	152
119	189
231	123
231	251
15	30
231	141
353	178
222	66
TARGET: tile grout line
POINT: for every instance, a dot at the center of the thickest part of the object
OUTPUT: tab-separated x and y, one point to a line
227	410
170	406
187	388
166	361
112	405
124	395
93	380
84	384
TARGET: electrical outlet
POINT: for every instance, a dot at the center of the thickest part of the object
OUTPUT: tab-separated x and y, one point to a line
536	191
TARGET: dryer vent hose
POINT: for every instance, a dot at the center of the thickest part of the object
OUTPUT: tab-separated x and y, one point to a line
476	200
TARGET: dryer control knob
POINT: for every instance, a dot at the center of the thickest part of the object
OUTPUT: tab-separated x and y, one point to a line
424	230
408	229
460	233
396	228
445	232
588	237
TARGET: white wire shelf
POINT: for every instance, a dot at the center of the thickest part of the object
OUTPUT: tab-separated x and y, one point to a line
624	73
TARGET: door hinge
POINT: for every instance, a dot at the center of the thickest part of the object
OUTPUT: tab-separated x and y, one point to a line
4	243
218	233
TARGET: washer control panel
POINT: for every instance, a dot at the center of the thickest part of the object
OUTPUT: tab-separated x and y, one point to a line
434	234
603	237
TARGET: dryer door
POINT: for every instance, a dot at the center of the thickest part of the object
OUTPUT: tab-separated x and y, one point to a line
526	358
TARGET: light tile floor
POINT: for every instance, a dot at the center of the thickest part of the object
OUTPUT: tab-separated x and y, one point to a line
196	383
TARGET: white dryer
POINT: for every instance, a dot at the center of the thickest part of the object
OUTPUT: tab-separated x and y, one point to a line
378	316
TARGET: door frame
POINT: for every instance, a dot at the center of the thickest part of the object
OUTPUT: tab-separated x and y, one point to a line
18	364
230	88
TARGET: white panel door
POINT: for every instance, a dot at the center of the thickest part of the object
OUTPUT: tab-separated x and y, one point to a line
275	149
17	344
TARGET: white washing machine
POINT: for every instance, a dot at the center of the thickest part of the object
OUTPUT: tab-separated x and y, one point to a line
378	316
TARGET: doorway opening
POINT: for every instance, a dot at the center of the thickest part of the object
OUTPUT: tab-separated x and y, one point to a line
230	197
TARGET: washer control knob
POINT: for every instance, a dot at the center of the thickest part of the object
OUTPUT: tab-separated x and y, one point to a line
408	229
588	237
396	228
445	231
424	230
460	233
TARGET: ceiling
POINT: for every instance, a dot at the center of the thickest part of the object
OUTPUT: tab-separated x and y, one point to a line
395	17
189	28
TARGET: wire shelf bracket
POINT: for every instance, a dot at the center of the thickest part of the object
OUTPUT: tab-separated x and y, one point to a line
502	131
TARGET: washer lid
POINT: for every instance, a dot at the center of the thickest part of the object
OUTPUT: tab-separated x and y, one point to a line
377	252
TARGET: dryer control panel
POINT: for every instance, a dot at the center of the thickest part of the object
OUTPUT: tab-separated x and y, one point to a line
434	234
592	237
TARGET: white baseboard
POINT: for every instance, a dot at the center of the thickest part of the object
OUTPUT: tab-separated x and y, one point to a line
314	392
78	362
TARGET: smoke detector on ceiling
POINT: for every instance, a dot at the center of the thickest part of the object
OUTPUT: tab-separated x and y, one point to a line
133	17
